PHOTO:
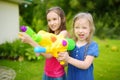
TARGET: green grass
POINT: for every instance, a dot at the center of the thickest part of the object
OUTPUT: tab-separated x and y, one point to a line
26	70
106	66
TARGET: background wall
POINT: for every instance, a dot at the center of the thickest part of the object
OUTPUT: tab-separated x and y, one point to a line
9	21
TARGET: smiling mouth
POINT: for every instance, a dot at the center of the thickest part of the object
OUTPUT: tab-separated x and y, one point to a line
53	27
81	35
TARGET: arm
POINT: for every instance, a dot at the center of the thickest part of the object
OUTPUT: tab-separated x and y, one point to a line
27	39
65	34
81	64
77	63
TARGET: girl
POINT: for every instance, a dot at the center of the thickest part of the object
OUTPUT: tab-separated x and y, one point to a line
57	25
80	61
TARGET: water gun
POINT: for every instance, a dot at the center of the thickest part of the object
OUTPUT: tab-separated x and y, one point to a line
49	42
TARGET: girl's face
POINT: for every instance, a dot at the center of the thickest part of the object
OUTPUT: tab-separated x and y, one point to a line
82	29
53	20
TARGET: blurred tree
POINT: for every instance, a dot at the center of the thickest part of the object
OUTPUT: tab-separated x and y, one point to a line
106	14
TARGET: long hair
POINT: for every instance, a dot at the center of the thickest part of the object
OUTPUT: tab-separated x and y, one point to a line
89	17
61	13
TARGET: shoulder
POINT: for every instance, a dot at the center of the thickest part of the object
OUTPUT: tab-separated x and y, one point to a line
93	44
93	49
65	33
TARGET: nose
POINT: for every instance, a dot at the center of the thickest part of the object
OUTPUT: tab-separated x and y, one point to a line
80	30
51	22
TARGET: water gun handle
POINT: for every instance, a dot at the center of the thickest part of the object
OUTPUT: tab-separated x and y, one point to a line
62	62
40	49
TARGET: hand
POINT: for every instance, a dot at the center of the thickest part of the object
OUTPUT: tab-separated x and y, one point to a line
63	56
24	37
37	54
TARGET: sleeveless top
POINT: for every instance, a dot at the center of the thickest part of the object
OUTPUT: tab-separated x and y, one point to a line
53	68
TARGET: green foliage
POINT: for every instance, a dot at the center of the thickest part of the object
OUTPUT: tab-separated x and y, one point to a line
105	13
107	26
74	3
5	49
38	25
11	49
22	22
31	55
15	49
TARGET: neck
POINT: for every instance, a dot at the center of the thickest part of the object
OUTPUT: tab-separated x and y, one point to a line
81	43
56	32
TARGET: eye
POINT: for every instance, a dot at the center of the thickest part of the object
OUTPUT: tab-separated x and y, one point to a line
48	20
84	27
54	19
76	27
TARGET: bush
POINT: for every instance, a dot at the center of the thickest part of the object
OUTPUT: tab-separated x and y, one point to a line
17	49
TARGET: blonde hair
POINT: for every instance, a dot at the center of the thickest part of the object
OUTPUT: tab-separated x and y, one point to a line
89	17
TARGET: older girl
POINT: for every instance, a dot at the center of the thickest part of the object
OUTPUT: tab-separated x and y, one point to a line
57	24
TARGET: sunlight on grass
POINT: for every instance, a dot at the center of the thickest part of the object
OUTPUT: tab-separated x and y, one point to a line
107	64
26	70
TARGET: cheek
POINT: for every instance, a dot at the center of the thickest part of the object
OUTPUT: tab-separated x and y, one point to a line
87	33
59	22
75	32
48	23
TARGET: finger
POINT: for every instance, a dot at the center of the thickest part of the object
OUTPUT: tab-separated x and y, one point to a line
60	59
20	35
60	54
22	40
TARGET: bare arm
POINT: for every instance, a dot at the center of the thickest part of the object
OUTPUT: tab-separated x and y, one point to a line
27	39
81	64
77	63
65	33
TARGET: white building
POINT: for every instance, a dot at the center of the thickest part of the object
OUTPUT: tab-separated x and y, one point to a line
9	19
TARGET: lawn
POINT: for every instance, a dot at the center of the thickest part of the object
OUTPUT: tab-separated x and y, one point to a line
25	70
106	66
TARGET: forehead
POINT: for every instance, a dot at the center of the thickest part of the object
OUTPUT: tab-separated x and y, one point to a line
52	14
82	21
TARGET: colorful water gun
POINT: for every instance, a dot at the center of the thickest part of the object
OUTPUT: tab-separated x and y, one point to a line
49	43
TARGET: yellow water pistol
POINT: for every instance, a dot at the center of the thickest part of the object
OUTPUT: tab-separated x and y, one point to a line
49	42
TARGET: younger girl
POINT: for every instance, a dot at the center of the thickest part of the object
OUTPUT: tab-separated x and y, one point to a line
80	61
57	25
